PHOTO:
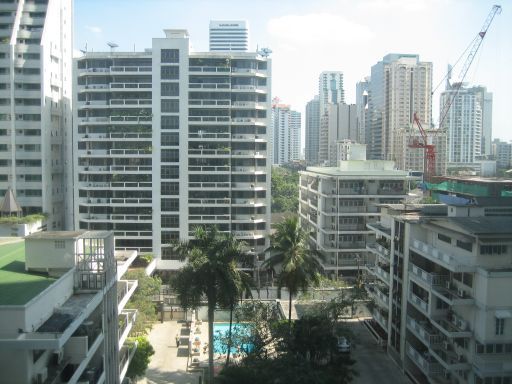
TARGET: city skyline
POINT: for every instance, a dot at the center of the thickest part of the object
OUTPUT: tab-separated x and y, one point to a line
361	34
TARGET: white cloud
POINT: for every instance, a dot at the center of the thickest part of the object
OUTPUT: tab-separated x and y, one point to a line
318	29
94	29
386	5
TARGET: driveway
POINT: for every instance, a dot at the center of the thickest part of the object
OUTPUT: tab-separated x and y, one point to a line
372	363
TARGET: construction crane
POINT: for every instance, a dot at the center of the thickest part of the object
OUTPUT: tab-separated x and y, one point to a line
429	147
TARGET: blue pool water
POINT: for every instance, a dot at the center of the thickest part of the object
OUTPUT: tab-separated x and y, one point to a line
239	333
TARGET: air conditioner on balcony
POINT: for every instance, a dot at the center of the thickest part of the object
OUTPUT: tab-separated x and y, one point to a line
58	354
447	284
462	325
460	292
446	345
41	376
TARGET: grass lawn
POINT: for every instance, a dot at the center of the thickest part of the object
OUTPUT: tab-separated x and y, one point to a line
17	287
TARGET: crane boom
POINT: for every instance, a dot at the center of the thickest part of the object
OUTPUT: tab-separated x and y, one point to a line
475	46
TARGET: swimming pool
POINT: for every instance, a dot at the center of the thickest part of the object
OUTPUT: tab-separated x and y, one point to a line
240	334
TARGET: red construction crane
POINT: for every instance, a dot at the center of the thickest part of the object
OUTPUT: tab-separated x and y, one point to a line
429	148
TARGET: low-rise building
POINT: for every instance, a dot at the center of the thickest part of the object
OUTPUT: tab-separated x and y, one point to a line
440	288
62	315
337	203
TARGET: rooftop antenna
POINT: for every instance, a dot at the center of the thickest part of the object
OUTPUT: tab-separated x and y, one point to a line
112	46
264	52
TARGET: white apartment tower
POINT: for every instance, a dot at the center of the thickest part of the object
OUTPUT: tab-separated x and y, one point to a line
35	106
312	131
229	35
337	203
286	124
400	85
362	88
468	123
169	139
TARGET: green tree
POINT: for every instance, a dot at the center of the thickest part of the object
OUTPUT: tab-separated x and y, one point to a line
299	266
212	271
285	190
141	358
141	300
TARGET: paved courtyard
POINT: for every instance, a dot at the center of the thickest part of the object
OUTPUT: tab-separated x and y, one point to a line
169	363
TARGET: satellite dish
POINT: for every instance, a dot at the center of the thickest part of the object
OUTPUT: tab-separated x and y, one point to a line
265	52
112	46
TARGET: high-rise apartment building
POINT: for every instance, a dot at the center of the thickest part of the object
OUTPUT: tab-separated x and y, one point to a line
312	131
362	88
35	106
502	152
229	35
336	204
468	123
169	139
286	124
400	85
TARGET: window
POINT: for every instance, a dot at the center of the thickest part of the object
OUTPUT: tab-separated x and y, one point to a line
168	72
170	204
170	138
170	55
493	249
170	122
170	106
59	244
444	238
468	246
170	221
170	188
170	155
500	326
170	89
170	172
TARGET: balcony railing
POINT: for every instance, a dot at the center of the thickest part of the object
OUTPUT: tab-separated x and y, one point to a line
423	305
447	260
425	362
431	279
425	332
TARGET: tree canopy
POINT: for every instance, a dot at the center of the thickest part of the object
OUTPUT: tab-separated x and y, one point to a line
285	190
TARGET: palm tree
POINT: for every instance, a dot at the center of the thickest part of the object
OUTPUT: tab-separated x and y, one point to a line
300	267
212	272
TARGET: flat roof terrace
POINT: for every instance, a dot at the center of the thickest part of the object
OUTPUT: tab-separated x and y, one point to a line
17	286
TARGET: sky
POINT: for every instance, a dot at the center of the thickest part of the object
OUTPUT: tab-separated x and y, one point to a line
311	36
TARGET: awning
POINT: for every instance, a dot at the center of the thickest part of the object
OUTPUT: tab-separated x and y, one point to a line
503	314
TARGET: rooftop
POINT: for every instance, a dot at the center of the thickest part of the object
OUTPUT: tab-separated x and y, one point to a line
478	179
493	225
69	235
18	287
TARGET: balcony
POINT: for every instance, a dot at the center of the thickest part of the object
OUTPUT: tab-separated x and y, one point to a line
381	318
425	362
380	294
219	185
452	326
208	218
444	259
130	69
125	356
209	86
430	279
452	295
382	271
210	152
379	250
209	169
425	332
209	103
125	289
130	102
419	303
380	229
449	359
247	120
126	320
225	201
130	86
208	119
210	69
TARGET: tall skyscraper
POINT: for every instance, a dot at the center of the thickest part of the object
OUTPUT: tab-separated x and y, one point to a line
341	124
312	131
362	88
330	91
468	122
35	106
286	125
229	35
167	140
400	85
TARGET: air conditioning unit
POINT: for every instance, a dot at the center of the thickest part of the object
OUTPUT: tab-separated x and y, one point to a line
460	292
447	284
446	345
462	325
